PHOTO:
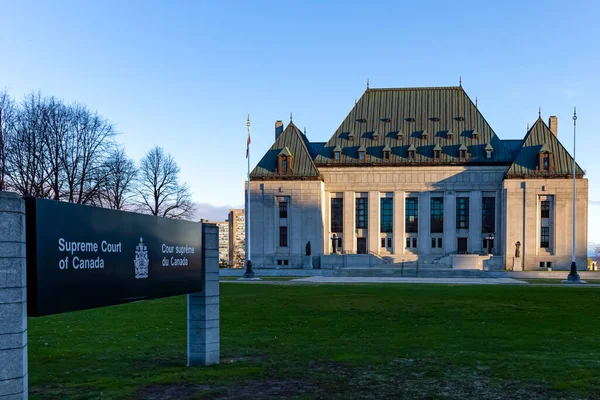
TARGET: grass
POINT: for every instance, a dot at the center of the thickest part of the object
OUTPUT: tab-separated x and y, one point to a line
265	278
331	342
556	281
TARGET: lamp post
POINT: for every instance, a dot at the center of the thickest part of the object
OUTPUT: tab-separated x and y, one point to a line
573	275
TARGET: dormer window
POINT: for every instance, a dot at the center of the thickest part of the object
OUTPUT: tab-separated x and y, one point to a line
337	152
361	153
284	161
399	135
351	136
489	150
437	152
386	152
449	134
375	135
462	152
545	161
411	152
475	135
425	135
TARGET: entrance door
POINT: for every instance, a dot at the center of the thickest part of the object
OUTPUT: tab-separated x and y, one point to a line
361	245
462	245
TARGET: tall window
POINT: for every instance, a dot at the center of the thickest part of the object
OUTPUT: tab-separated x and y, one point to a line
546	162
545	237
284	164
412	215
462	213
437	215
283	209
488	215
337	214
362	213
545	208
283	237
386	215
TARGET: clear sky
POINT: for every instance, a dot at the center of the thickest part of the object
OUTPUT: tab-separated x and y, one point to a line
185	74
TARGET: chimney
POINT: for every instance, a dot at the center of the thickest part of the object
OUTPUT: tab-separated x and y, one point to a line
278	128
553	124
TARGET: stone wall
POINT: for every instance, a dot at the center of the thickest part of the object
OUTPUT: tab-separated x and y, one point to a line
13	298
304	222
522	222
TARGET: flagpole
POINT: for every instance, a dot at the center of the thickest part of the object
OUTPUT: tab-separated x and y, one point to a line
573	275
249	273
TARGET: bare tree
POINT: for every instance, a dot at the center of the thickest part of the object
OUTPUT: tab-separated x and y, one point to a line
120	184
25	160
7	126
58	122
84	151
159	188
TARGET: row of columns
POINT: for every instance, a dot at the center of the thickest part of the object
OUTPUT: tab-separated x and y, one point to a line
449	235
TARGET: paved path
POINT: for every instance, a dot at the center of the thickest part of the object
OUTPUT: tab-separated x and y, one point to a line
449	281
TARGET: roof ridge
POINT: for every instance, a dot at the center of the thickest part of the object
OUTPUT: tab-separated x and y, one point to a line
416	88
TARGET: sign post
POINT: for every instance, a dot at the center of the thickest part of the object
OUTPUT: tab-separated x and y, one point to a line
58	257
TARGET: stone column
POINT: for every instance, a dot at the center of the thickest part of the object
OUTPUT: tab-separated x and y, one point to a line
373	239
475	242
450	222
203	308
349	239
13	298
424	223
399	220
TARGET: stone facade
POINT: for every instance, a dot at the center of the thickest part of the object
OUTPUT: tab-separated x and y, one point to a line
417	174
237	238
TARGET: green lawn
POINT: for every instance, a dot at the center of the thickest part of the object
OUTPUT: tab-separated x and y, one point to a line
332	342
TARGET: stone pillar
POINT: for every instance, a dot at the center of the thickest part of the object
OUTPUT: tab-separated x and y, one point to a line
424	223
475	242
450	244
203	307
349	239
399	220
373	239
13	298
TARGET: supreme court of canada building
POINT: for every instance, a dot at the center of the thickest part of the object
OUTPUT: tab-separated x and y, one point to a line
417	174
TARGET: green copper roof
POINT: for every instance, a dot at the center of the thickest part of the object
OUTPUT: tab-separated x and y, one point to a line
545	149
414	111
526	160
294	142
285	152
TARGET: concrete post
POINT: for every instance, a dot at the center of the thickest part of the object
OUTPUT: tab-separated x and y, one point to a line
13	298
203	308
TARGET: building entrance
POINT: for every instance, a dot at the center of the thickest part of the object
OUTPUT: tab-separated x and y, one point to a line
361	245
462	245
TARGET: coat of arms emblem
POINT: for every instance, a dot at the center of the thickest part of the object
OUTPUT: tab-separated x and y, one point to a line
141	260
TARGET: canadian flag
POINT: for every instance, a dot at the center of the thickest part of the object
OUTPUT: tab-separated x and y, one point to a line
248	145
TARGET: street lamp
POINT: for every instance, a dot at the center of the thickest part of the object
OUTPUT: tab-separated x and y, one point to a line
573	275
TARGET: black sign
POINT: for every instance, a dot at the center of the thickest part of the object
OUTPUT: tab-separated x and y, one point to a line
81	257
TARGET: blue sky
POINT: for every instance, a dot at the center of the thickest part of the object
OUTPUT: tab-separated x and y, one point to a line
184	75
